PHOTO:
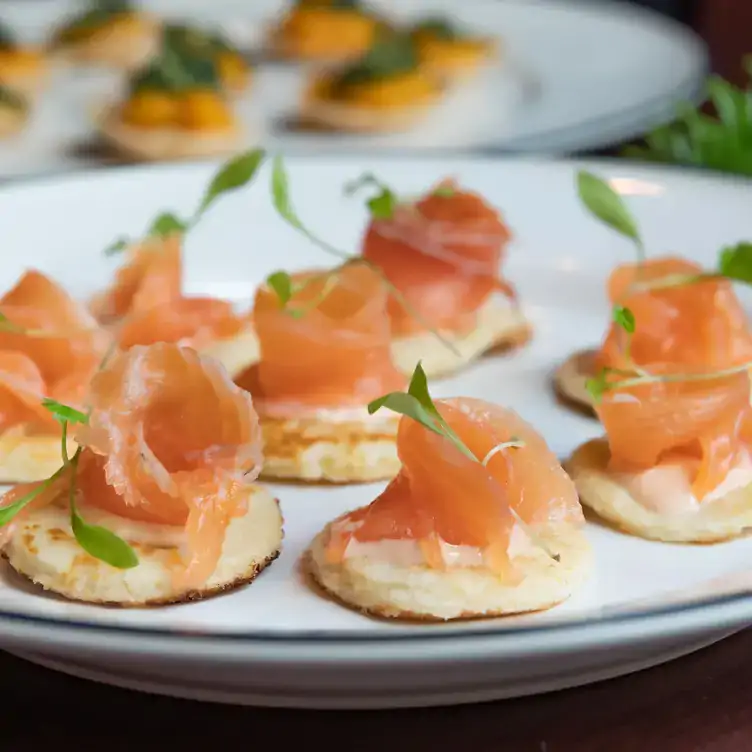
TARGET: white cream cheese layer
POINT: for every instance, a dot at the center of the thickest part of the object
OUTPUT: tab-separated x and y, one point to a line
667	489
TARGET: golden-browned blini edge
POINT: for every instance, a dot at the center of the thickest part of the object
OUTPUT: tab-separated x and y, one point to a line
499	325
44	550
726	517
331	449
156	144
399	591
27	456
237	353
339	116
570	380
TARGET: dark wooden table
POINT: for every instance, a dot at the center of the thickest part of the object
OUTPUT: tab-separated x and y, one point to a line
700	703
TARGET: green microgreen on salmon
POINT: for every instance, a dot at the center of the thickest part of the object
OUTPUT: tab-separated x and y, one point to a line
416	403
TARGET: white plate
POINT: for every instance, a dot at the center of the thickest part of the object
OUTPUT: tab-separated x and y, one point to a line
571	80
278	643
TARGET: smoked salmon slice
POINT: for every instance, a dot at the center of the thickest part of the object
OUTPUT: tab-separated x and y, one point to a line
170	440
442	253
441	497
190	321
146	303
56	333
150	277
697	327
330	346
22	390
703	424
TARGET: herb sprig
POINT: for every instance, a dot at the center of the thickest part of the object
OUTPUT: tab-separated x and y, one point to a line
232	175
97	541
418	405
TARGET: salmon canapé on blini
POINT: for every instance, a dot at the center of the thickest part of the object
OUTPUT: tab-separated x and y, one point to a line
159	503
50	347
443	253
481	520
674	464
324	354
146	302
701	325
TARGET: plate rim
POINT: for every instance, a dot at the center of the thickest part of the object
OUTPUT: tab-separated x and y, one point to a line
733	603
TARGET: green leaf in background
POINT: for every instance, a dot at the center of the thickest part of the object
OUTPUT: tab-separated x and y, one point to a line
605	204
281	284
439	27
735	263
722	142
392	54
234	174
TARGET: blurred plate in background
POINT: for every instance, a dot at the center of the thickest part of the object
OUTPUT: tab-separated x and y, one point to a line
575	76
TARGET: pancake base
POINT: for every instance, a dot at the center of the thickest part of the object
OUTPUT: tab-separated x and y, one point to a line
499	326
26	457
160	144
321	449
570	379
718	520
338	116
418	593
43	550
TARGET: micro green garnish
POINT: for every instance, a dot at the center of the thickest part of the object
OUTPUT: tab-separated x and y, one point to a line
392	54
444	191
722	142
232	175
6	325
605	204
381	205
281	200
97	541
417	404
63	413
513	443
281	283
438	27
